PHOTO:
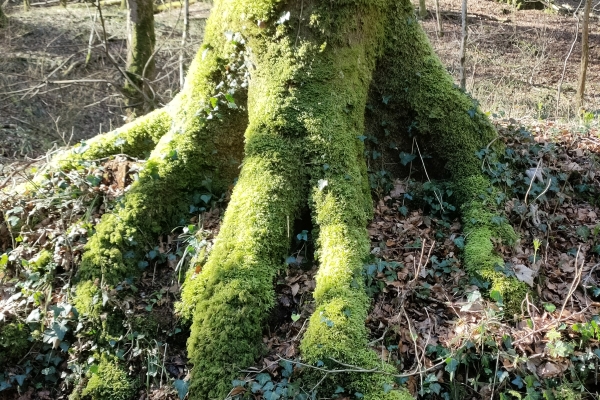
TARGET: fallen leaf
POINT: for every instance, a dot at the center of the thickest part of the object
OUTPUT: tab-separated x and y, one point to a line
295	287
524	274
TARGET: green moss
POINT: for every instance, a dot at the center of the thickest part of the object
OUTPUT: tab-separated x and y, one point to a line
88	300
136	139
13	342
39	263
109	382
564	392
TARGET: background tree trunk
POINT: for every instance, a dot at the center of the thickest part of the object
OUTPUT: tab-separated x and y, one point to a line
3	17
438	16
463	47
585	51
140	60
184	35
422	9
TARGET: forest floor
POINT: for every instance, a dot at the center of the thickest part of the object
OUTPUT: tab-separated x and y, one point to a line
448	337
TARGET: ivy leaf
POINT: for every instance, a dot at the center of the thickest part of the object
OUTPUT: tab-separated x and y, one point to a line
406	158
460	242
451	364
583	232
550	308
60	329
34	316
182	388
263	378
20	379
518	382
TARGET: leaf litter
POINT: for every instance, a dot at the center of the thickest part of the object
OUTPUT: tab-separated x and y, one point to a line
439	326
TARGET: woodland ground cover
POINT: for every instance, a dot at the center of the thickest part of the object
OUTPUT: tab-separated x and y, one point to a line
431	320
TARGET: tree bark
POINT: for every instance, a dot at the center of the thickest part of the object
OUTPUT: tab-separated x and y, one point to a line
296	76
140	57
463	47
184	35
438	16
585	51
3	17
422	9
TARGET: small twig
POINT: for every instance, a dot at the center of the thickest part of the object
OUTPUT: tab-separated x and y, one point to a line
378	340
537	168
562	77
575	282
352	368
13	173
412	151
427	175
301	329
545	190
495	373
414	340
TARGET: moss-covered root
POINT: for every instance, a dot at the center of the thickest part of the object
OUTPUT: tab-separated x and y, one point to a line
234	293
341	206
481	224
451	125
200	153
337	329
136	139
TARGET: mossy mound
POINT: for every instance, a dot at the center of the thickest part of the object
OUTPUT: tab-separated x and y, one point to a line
109	382
13	342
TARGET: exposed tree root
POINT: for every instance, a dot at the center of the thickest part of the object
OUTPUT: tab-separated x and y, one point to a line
450	125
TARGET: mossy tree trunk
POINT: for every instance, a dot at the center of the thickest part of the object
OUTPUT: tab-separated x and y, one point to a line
295	78
140	57
3	17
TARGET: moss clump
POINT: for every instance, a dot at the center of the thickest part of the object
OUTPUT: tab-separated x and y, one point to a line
39	263
564	392
13	342
88	300
146	324
109	382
